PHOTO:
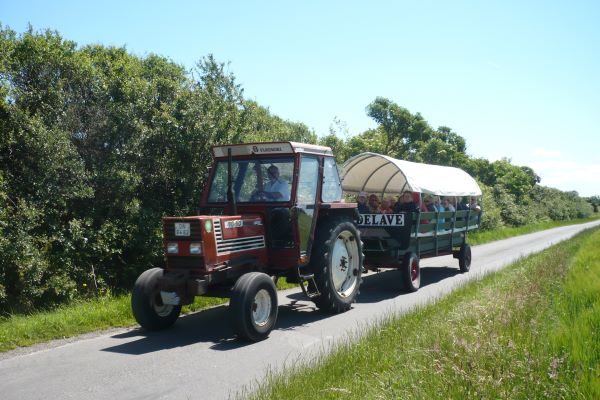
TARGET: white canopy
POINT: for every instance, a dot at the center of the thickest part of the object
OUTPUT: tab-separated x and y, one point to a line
376	173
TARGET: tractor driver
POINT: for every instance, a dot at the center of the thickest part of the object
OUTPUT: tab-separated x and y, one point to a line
276	189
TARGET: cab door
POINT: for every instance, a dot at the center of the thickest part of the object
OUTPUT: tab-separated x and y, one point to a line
306	202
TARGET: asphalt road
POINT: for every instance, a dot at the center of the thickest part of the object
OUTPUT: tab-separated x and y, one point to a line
200	359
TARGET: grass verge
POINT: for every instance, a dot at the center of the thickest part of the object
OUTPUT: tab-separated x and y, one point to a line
529	331
82	317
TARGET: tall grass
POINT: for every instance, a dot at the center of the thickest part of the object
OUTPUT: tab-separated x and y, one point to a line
530	331
577	337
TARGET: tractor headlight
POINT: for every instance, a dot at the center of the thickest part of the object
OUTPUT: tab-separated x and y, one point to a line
195	248
172	248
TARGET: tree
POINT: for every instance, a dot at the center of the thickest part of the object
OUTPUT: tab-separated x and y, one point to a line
595	202
337	145
400	128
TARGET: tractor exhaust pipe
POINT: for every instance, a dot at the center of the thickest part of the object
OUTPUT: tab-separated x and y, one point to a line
230	193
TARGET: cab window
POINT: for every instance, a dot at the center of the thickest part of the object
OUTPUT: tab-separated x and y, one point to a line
307	182
332	188
253	180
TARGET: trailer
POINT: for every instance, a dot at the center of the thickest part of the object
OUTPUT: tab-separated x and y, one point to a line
400	241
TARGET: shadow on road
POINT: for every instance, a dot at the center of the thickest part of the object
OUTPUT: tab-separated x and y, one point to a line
210	326
380	286
213	325
204	326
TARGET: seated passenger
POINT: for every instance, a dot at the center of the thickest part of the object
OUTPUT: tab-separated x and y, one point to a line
397	204
446	202
374	204
406	203
276	189
386	206
421	202
363	208
460	205
428	200
473	204
437	202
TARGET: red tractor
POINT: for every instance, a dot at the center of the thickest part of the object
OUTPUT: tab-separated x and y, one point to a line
276	210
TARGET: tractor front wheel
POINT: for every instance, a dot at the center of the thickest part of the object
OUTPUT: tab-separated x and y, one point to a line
253	306
147	305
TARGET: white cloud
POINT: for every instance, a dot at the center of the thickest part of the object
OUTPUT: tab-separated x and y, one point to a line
546	153
569	175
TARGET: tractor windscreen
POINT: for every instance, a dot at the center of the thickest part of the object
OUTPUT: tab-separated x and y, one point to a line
254	180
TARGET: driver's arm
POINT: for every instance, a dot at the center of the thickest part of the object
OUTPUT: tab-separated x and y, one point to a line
274	195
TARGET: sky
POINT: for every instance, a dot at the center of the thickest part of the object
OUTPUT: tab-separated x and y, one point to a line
517	79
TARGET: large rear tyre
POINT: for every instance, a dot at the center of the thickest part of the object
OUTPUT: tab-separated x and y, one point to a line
337	265
411	272
146	303
253	306
464	258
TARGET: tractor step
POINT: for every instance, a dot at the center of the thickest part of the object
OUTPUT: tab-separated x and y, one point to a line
304	281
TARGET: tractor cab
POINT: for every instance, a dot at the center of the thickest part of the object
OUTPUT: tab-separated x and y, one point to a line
279	183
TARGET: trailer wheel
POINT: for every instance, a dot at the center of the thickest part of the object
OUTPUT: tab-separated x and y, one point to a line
146	303
337	265
253	306
464	258
411	272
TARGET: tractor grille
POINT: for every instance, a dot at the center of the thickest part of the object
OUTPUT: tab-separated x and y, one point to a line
225	246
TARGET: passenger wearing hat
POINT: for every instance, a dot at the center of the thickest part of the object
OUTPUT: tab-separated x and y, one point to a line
362	203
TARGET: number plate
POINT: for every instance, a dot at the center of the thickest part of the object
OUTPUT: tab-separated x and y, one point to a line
182	229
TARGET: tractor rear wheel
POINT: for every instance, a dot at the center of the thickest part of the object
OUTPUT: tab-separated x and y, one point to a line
253	306
337	265
147	305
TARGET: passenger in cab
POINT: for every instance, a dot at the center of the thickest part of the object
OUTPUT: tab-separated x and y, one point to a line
363	208
374	204
276	189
